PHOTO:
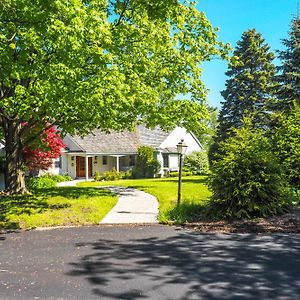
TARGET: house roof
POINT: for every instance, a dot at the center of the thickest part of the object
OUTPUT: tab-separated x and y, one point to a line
120	142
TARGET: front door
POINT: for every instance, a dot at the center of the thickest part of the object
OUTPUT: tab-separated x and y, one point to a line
80	166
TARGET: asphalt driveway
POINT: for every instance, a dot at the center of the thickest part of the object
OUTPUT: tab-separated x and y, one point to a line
152	262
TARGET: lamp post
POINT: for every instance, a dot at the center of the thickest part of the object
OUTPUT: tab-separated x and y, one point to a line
181	149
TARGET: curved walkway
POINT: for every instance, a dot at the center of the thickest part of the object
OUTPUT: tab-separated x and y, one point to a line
133	207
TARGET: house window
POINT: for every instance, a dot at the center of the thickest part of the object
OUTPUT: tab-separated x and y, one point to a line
131	160
166	160
57	163
104	160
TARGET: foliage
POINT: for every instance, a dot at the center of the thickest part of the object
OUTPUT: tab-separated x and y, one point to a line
97	176
183	174
286	143
195	196
247	180
42	182
60	178
112	175
130	59
41	157
207	138
289	78
250	86
197	163
46	181
57	206
146	163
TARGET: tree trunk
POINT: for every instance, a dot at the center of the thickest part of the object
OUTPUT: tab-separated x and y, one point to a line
14	179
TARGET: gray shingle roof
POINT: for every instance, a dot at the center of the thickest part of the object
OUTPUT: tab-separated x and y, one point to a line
120	142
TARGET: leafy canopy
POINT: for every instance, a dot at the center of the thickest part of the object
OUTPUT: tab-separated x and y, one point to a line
83	64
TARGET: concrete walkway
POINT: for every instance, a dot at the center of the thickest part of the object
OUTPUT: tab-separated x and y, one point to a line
133	207
72	182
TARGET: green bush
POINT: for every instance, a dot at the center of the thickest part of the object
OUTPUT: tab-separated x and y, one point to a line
112	175
46	181
146	163
197	163
127	174
97	176
42	182
183	174
247	180
59	178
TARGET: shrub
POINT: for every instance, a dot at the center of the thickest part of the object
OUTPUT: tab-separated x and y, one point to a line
183	174
247	180
59	178
46	181
197	163
146	163
42	182
97	176
112	175
127	174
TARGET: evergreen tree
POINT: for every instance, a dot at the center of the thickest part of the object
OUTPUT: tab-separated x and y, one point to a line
289	79
250	86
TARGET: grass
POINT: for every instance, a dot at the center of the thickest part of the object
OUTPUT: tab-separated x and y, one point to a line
195	196
62	206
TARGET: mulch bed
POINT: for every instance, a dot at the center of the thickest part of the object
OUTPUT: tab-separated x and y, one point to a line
287	223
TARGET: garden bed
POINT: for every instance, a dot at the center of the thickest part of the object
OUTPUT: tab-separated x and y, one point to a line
287	223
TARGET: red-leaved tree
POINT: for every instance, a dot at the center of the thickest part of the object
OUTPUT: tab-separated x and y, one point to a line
40	157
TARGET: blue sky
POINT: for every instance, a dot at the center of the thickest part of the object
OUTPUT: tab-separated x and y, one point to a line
270	17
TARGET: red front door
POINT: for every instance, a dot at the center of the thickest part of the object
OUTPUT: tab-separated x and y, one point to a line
80	166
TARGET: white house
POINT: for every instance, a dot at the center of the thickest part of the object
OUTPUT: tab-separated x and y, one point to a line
102	152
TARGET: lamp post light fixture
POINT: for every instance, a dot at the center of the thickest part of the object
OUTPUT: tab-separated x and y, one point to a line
181	149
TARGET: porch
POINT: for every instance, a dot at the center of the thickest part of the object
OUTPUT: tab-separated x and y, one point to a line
85	165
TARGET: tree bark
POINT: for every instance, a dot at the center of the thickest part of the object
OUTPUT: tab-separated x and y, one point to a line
15	177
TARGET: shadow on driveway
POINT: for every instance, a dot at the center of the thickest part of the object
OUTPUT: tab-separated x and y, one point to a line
188	265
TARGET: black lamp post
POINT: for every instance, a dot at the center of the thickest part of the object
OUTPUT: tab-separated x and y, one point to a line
181	149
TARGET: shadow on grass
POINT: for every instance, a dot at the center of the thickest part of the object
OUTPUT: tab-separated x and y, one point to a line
38	202
73	192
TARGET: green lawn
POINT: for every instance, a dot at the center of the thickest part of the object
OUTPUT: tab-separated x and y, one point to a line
195	195
56	207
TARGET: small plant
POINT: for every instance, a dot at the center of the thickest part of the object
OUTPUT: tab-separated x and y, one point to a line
46	181
59	178
112	175
183	174
97	176
42	182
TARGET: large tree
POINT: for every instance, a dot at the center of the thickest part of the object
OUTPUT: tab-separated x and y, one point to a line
289	77
250	86
81	64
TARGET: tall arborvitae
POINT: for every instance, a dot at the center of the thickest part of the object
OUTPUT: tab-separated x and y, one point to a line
289	78
250	86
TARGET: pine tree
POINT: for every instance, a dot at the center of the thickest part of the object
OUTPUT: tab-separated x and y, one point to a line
289	79
250	86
